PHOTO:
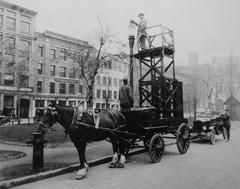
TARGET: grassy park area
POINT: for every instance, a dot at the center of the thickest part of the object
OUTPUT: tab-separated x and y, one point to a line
18	134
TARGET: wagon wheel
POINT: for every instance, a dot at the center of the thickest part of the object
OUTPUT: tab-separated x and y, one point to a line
183	138
224	132
212	136
156	148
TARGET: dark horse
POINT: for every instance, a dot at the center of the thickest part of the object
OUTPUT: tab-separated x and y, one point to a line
81	133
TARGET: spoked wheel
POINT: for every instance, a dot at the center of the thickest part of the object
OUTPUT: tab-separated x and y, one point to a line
212	137
183	138
156	148
224	132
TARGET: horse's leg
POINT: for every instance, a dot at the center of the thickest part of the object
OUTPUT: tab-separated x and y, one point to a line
81	147
122	158
114	161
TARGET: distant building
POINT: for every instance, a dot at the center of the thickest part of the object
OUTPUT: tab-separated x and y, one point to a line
193	58
54	71
17	28
108	82
233	105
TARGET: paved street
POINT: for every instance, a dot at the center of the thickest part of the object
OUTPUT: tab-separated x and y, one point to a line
204	166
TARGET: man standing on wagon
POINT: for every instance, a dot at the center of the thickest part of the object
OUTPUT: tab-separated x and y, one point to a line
125	96
142	30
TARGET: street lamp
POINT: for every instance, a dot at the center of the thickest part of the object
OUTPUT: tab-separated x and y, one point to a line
131	39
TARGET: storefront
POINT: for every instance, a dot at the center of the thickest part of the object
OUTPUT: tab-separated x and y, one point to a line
9	96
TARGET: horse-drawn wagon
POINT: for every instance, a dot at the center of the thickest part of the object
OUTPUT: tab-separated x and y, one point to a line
158	117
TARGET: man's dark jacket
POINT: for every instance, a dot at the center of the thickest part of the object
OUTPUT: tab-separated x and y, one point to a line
125	97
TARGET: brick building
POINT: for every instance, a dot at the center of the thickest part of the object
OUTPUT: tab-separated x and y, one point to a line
54	76
17	27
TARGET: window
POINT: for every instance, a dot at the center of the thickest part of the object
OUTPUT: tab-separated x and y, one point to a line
53	53
39	86
103	105
1	20
109	81
62	72
98	80
71	89
120	82
115	82
25	27
62	102
52	70
110	95
23	80
80	90
10	45
72	103
24	17
11	23
104	94
40	68
24	46
52	87
40	51
115	94
98	93
8	101
72	73
8	79
62	88
104	81
39	103
11	13
98	105
63	54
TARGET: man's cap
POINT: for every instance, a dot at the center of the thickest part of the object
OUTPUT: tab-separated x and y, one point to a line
125	79
141	14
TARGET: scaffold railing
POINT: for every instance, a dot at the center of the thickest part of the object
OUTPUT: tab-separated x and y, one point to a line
157	36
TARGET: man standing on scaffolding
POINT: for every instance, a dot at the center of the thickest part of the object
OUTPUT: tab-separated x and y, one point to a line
142	30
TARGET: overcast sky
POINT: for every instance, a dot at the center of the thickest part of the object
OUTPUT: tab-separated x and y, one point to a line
211	27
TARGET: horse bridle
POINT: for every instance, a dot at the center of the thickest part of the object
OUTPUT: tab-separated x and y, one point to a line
53	112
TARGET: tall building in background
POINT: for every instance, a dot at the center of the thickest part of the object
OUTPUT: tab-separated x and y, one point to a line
54	71
193	58
17	28
108	82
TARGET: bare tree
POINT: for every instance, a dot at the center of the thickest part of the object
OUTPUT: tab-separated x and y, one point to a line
89	60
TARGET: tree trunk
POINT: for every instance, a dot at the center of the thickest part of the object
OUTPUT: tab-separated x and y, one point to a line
90	97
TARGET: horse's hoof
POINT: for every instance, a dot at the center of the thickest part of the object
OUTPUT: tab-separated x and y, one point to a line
112	165
120	165
79	177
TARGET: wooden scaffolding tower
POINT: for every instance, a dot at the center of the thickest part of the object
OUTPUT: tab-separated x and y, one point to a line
158	86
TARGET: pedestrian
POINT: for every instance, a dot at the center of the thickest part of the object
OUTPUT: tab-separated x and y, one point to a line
125	97
227	123
142	30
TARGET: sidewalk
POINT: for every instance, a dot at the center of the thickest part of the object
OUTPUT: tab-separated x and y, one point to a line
53	158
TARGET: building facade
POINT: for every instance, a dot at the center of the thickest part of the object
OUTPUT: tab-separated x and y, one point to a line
17	28
108	82
54	75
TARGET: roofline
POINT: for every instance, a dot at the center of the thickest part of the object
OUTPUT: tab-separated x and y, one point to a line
62	37
18	8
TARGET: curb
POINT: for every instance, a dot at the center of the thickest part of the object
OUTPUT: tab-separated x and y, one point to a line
52	173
